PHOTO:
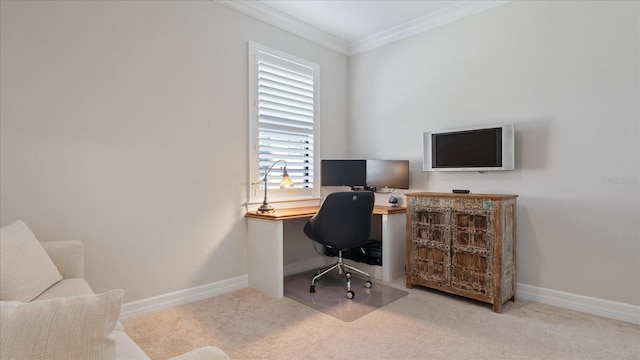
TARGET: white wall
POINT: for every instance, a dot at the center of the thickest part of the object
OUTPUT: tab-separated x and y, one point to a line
567	74
117	119
124	125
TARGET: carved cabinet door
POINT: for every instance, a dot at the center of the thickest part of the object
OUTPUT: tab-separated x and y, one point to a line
471	251
431	256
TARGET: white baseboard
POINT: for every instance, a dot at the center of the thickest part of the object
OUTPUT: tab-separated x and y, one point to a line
154	304
162	302
605	308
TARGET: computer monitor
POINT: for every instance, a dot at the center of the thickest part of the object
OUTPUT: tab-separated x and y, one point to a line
388	173
344	173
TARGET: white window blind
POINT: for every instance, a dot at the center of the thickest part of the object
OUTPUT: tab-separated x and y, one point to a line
285	112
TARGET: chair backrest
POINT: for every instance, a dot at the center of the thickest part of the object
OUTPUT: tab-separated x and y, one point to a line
343	221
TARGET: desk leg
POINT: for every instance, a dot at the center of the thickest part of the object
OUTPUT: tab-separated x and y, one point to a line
265	256
393	246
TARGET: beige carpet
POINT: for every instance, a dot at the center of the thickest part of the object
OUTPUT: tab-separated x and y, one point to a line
425	324
331	294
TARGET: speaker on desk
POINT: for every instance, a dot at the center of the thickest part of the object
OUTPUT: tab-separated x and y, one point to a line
393	201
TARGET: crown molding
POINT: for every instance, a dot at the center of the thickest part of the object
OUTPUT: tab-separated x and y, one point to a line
271	16
455	12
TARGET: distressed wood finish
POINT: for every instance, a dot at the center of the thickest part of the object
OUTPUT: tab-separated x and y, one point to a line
463	244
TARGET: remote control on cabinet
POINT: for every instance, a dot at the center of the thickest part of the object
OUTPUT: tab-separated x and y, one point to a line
460	191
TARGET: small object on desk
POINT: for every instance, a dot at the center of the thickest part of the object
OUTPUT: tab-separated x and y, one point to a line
460	191
393	201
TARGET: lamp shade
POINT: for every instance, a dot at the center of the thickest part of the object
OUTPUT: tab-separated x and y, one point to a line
286	182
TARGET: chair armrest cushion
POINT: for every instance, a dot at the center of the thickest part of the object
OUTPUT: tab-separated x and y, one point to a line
68	256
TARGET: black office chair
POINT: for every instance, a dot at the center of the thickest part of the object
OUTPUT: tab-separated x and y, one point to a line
343	222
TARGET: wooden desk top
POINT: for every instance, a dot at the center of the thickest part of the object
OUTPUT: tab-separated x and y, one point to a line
309	211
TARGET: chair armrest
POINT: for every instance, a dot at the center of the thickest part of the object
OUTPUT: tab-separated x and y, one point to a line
68	256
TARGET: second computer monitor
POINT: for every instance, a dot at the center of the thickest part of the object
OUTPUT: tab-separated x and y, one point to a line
388	173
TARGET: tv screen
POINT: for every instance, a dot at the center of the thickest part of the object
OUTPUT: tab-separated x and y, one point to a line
388	173
344	172
471	149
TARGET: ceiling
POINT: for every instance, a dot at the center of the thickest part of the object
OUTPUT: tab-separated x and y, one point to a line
354	20
353	26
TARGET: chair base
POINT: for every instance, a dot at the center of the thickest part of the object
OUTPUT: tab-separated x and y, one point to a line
344	269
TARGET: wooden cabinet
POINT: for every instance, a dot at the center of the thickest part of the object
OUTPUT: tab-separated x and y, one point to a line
463	244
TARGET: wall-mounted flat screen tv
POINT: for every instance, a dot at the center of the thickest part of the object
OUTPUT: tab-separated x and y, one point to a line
481	149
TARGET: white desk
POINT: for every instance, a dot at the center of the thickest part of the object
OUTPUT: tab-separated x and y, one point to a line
266	238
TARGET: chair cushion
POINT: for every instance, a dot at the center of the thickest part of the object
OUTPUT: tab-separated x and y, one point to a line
77	327
25	268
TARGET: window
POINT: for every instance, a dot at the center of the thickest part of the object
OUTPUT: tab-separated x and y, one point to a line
283	123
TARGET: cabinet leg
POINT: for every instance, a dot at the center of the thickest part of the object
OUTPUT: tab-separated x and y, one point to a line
409	284
497	307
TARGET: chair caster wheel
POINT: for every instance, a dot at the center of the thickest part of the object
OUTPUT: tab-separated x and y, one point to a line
350	294
348	275
367	284
312	289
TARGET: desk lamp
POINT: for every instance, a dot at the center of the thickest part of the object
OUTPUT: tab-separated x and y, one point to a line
286	182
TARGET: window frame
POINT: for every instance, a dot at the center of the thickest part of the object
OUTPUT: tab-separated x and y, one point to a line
255	189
